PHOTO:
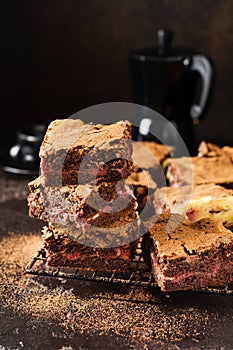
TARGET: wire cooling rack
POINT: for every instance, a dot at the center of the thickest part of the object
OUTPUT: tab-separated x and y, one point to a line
137	275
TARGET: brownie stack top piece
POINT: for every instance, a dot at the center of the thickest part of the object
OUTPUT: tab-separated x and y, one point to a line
74	152
71	133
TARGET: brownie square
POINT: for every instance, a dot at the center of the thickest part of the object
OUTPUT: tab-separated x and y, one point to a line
200	170
189	256
202	201
73	152
109	204
63	251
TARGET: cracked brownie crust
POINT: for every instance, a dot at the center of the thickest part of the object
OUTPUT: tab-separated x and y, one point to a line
191	256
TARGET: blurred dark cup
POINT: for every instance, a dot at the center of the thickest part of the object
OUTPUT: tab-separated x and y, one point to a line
23	154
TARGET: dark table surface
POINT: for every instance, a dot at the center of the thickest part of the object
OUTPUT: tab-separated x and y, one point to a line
49	313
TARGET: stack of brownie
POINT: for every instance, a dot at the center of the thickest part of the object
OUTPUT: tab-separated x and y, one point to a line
191	244
94	185
83	196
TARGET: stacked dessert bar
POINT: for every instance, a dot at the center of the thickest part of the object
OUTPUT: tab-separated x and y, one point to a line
68	141
83	196
191	244
87	168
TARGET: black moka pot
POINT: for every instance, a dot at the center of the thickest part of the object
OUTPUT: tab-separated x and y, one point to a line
175	82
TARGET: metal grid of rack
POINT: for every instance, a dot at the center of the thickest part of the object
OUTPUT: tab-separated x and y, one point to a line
137	275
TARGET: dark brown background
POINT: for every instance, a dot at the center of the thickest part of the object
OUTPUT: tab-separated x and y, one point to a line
59	56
